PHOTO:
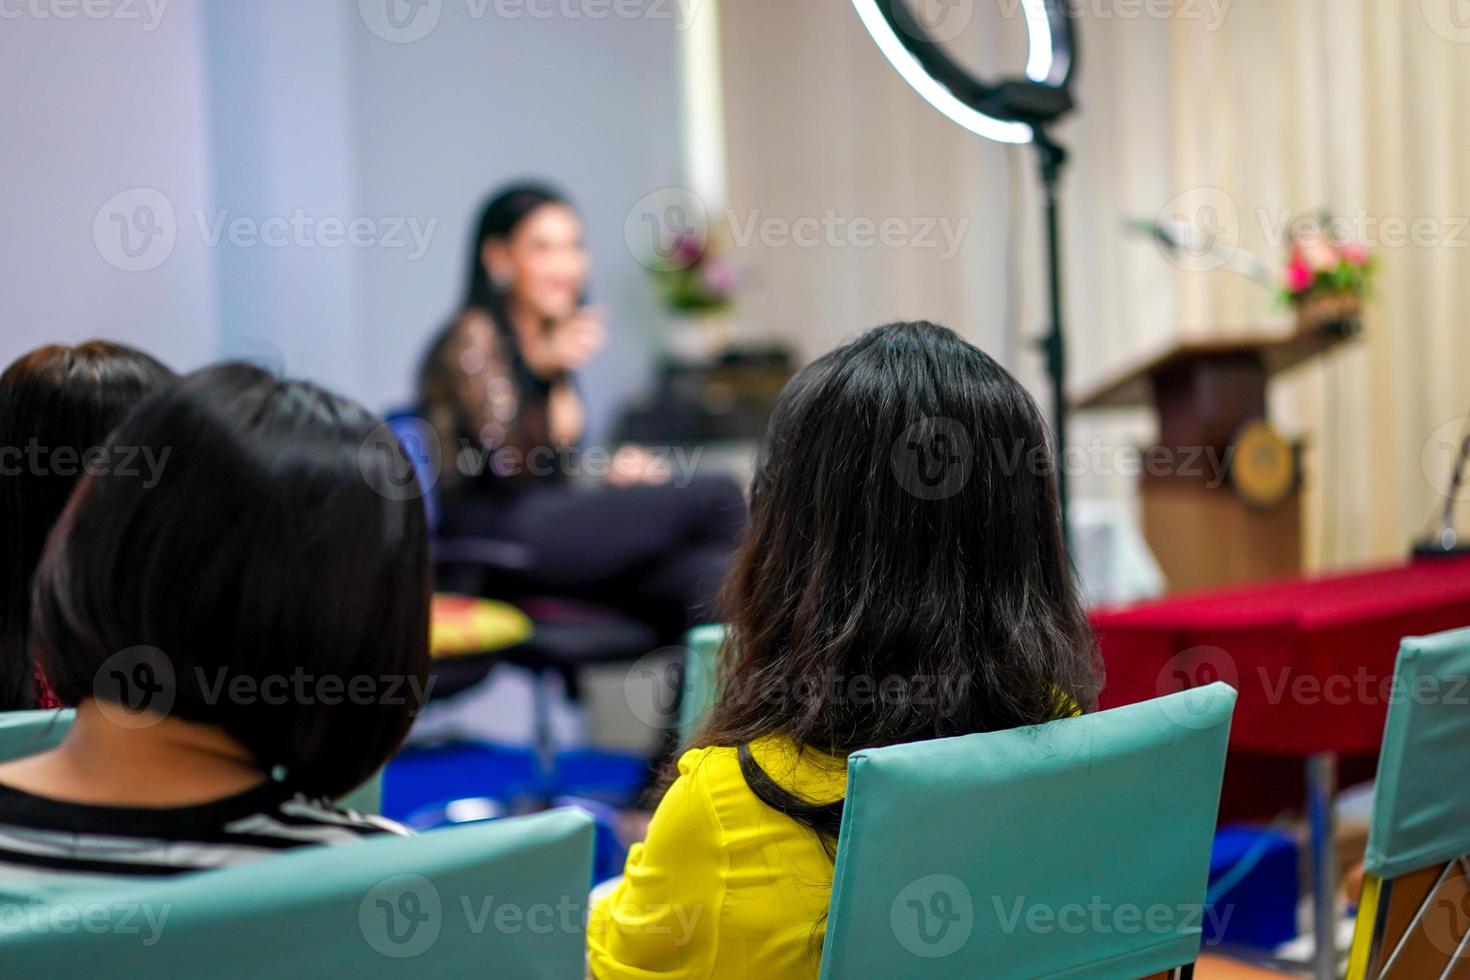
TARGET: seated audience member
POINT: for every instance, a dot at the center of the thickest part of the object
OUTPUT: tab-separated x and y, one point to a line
243	638
57	405
904	578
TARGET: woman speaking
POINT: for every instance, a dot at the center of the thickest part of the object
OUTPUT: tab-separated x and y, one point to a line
498	385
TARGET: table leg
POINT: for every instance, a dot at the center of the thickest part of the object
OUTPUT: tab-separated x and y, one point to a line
1321	789
546	774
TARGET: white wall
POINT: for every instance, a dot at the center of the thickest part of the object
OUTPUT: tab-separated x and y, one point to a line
284	159
93	108
590	104
276	112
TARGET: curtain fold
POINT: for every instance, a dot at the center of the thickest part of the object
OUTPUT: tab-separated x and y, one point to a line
1247	112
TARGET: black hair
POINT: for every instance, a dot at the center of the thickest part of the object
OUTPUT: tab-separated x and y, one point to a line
439	378
499	219
276	568
903	575
57	405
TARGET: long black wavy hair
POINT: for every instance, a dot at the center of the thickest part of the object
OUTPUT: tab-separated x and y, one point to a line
904	575
499	219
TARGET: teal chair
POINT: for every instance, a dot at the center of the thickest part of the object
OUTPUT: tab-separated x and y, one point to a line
506	898
1414	913
24	733
701	668
1075	849
367	798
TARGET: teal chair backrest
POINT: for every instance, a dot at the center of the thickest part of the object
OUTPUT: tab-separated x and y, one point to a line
367	798
506	898
701	667
1080	848
24	733
1421	802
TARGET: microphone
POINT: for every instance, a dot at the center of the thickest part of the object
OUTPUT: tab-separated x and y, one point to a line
1444	542
1182	239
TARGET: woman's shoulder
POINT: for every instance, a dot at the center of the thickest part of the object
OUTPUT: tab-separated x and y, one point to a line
710	761
710	772
715	771
306	819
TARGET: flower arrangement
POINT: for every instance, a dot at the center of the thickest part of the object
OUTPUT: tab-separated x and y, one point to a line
692	280
1326	278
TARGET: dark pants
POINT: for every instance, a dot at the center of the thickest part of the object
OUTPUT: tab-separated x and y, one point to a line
658	552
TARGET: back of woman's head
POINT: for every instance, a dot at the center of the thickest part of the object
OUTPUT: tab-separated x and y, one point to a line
57	405
904	575
273	581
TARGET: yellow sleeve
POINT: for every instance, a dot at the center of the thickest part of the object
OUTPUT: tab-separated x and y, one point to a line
662	922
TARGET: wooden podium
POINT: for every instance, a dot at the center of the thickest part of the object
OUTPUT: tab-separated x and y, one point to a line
1220	491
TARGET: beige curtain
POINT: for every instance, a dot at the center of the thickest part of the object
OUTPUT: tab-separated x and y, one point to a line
1239	112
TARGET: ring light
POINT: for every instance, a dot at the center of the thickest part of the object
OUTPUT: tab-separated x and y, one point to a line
1009	110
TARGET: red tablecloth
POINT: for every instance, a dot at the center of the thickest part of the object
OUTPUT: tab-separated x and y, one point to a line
1312	658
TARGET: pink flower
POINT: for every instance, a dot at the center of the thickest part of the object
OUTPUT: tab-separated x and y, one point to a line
688	248
719	277
1319	255
1299	275
1355	254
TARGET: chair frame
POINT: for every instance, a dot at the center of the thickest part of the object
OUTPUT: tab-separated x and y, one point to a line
1185	972
1415	864
1390	948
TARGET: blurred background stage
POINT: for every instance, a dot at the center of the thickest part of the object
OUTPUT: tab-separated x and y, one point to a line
295	183
1234	117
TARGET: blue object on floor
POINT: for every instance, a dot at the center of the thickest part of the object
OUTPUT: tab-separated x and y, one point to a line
608	854
421	778
618	778
1253	888
482	782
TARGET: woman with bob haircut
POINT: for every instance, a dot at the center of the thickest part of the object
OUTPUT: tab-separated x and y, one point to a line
243	639
904	578
57	405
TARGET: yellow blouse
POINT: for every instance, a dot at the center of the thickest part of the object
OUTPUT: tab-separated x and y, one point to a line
724	886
